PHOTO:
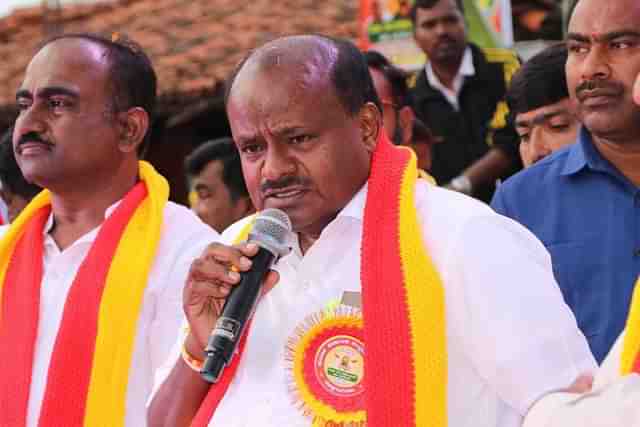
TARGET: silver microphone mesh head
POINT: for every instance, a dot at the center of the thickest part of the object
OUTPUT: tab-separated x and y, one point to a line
271	229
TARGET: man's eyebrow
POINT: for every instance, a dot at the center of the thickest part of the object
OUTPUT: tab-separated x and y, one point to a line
286	130
50	91
577	37
23	93
605	37
541	118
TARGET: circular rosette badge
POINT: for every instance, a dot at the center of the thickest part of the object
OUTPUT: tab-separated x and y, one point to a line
326	368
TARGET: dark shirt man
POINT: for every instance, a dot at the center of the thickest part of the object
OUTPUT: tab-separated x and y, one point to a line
459	96
583	202
218	194
539	105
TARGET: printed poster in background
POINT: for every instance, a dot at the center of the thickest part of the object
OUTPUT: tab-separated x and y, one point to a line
385	26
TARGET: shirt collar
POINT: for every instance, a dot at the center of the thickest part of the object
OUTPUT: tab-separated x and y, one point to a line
584	154
466	69
88	236
354	210
355	207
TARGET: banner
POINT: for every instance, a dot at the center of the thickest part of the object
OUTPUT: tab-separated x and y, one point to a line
385	26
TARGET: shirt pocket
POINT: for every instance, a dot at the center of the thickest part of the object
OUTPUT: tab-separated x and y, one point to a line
581	277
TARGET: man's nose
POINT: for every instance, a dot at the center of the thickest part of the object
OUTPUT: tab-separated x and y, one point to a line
538	147
595	65
277	163
30	120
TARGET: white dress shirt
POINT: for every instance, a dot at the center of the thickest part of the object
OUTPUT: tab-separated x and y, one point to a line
183	238
511	338
613	402
467	69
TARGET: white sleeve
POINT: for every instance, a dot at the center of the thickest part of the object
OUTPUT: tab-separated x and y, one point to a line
614	401
511	317
614	405
169	313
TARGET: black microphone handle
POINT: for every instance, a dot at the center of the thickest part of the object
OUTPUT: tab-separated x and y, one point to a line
237	310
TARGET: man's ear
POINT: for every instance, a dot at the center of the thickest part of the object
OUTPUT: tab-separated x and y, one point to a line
371	125
406	116
133	124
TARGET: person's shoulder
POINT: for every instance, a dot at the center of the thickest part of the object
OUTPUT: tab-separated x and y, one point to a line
182	223
540	175
446	208
506	59
231	233
450	219
498	54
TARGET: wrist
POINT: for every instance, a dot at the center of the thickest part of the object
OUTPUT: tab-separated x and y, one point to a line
193	348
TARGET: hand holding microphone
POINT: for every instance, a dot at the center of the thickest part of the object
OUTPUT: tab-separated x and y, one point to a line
224	285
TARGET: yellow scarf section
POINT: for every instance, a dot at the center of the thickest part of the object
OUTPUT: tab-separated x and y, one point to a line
426	304
121	300
631	348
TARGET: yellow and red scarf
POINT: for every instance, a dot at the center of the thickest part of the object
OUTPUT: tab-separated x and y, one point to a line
89	368
403	306
631	349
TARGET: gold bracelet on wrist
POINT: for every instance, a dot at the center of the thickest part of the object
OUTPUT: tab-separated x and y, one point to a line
191	361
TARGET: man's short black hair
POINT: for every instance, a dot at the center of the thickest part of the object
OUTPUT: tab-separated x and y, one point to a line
396	77
10	174
350	76
539	82
428	4
133	79
224	150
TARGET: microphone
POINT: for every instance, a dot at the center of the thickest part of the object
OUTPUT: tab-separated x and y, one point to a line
270	230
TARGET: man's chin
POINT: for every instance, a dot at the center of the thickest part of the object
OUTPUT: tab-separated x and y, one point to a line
602	123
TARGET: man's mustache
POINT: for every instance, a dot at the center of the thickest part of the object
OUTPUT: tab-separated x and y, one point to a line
33	137
446	39
288	181
600	87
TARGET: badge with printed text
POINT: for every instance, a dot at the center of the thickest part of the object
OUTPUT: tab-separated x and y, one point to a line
325	362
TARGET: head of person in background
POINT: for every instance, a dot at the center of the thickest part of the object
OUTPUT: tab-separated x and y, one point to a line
404	9
540	107
218	194
14	188
400	122
391	85
439	30
602	66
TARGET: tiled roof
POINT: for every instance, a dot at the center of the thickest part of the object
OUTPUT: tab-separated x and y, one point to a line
193	43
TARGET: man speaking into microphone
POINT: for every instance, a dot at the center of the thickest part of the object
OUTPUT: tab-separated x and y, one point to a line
400	304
